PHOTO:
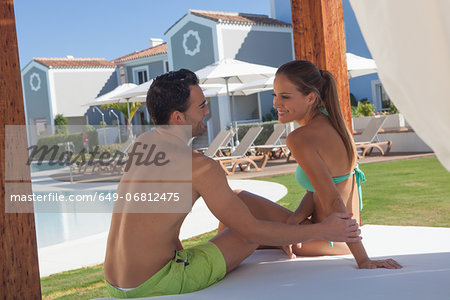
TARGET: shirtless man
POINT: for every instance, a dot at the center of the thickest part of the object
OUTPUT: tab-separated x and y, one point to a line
144	255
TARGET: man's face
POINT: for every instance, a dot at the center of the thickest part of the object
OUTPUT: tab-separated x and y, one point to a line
197	111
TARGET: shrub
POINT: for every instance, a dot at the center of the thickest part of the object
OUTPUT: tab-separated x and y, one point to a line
61	124
365	109
353	101
75	138
392	109
273	115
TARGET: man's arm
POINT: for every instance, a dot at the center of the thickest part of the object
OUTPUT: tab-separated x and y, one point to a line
210	182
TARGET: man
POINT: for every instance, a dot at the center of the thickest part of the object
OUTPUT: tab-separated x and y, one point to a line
144	254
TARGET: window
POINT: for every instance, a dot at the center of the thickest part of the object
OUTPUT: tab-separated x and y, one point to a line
385	101
40	125
381	98
140	75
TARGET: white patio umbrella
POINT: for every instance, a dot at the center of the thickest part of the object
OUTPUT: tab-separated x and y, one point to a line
257	86
230	71
109	97
233	71
136	94
359	66
139	93
356	66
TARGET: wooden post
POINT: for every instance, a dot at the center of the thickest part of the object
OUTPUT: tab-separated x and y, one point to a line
319	36
18	251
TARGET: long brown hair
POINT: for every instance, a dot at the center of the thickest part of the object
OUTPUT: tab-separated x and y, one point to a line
308	78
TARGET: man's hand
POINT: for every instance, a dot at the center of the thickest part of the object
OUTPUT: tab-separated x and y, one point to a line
384	263
339	227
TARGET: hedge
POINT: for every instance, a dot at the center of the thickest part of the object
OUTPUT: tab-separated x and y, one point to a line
75	138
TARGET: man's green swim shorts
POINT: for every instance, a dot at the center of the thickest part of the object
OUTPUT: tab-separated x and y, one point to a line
191	270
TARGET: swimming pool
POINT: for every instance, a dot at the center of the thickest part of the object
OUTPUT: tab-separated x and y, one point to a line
44	166
54	228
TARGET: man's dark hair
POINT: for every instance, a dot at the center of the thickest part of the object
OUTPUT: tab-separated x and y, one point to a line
169	92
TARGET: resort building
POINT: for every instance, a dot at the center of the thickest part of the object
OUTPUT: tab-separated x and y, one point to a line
139	67
53	86
201	38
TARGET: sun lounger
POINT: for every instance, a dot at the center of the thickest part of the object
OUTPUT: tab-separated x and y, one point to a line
219	142
368	139
272	146
100	166
239	156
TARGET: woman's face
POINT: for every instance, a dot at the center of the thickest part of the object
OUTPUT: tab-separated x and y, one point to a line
291	104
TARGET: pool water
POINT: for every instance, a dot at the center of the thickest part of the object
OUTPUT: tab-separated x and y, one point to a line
55	227
44	166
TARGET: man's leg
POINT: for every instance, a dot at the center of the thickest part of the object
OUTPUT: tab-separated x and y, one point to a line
261	208
233	247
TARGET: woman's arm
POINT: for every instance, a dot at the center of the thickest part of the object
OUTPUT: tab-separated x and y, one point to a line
304	210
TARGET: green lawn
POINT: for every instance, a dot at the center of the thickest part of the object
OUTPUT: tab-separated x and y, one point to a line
410	192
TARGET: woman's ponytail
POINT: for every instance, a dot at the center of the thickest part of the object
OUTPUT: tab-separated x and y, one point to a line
330	100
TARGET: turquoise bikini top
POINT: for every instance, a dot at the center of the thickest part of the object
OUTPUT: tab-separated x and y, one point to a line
304	182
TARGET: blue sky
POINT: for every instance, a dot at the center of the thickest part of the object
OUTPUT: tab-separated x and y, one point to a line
105	28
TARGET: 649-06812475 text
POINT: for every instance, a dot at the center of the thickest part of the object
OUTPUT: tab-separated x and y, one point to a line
96	196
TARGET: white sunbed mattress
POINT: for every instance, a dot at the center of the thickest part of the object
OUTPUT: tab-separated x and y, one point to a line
267	274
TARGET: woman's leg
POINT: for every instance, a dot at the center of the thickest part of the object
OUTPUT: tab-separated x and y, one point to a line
320	248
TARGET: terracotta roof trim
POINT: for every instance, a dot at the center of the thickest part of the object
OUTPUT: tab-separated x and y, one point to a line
238	18
65	62
153	51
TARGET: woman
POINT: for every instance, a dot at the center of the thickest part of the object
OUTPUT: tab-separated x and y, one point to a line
326	156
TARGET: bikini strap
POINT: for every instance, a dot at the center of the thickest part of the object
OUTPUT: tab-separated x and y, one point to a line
324	111
360	178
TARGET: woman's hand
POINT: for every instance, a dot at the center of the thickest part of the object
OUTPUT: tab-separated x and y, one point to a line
383	263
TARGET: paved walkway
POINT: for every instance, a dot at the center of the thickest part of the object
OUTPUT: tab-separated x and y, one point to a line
281	167
273	168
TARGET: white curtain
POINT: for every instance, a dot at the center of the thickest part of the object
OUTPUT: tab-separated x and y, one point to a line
410	43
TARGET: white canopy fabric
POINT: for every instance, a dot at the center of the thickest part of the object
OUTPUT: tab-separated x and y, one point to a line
410	42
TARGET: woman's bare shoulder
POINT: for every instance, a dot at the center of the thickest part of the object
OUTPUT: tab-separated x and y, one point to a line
300	136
